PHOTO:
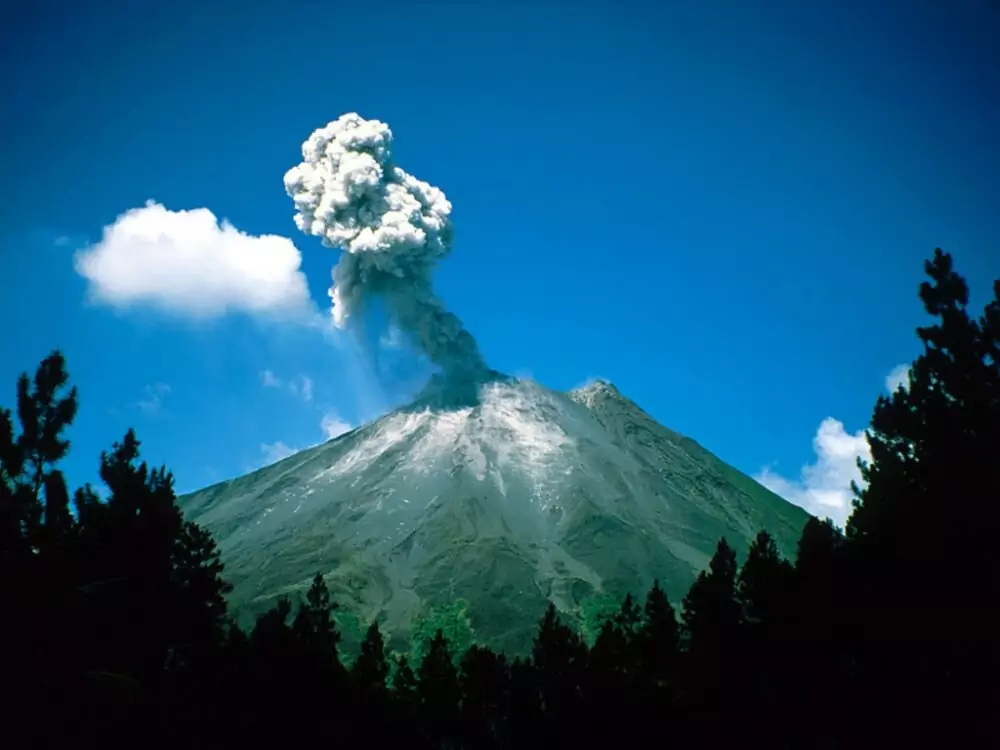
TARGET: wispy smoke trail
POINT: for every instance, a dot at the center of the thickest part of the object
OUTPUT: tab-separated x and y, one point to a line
392	228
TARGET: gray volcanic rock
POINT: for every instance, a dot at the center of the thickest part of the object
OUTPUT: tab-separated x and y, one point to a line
508	497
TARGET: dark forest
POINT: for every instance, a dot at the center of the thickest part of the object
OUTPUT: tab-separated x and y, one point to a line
115	627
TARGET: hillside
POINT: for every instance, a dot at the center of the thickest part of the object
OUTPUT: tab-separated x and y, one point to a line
510	497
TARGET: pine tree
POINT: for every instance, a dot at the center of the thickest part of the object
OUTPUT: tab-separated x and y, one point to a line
314	625
44	415
404	687
200	613
371	669
658	642
764	581
561	661
26	460
711	612
57	519
523	725
403	680
926	521
765	592
629	617
712	628
33	566
484	679
128	550
608	687
438	692
12	514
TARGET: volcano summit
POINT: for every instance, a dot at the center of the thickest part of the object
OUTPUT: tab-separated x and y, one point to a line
486	488
520	497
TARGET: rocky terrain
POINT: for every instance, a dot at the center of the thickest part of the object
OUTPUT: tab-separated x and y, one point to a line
507	497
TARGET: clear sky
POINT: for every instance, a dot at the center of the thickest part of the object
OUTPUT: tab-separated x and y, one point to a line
723	208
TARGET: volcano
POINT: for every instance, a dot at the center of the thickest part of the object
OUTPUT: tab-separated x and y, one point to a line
507	496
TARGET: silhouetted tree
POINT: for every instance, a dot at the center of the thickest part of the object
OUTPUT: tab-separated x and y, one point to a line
764	582
13	513
658	644
44	415
712	621
438	693
765	592
314	625
711	612
609	683
31	581
371	669
524	713
927	518
404	690
200	610
560	660
484	680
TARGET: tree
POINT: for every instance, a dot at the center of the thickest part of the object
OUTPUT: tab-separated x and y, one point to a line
404	682
484	680
26	460
314	625
44	415
12	514
57	519
614	659
712	622
658	641
560	660
438	692
200	590
628	618
926	519
126	566
371	669
109	599
711	612
764	581
609	689
404	688
524	707
765	593
452	620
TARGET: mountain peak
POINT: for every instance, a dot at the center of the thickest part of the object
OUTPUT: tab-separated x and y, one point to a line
501	492
591	392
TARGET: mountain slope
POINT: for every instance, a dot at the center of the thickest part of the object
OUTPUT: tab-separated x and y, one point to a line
508	498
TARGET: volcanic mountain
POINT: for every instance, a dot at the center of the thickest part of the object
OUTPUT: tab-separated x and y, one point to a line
507	497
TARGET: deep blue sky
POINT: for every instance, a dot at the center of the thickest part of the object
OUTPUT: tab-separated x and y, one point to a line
722	207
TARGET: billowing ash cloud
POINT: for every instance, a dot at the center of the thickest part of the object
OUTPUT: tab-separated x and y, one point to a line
392	228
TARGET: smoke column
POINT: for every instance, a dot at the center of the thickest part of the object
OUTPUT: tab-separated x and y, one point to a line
392	228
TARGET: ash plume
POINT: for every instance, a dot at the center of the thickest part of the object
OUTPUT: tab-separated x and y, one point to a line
392	229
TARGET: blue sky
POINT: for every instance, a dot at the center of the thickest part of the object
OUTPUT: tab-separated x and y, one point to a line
721	207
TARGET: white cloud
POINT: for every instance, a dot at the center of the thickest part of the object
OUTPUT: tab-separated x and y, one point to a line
274	452
301	385
899	377
269	380
332	425
190	264
152	401
824	486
